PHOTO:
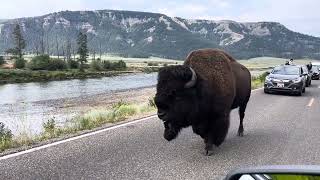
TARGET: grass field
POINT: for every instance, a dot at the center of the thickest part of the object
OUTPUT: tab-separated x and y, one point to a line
269	62
252	64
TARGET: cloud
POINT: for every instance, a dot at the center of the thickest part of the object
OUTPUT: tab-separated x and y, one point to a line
188	9
220	3
22	8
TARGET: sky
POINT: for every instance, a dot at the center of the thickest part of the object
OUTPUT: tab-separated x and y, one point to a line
298	15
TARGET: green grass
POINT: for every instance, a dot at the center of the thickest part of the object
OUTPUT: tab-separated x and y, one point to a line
269	62
258	81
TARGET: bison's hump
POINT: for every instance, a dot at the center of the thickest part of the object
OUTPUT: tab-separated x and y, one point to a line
213	66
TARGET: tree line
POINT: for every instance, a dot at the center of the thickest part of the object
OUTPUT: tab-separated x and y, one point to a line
20	44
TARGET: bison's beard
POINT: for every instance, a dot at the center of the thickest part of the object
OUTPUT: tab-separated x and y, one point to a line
170	133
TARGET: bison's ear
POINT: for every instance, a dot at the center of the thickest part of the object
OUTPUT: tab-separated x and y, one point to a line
193	79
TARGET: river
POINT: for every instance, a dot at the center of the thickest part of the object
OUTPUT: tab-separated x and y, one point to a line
24	107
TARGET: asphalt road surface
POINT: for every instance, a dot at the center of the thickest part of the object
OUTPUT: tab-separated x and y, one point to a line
279	130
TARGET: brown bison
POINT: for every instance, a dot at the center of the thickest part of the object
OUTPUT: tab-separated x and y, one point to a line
201	93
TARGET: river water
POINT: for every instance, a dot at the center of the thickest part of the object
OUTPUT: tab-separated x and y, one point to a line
24	107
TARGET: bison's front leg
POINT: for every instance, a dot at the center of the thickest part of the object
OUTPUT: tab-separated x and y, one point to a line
217	133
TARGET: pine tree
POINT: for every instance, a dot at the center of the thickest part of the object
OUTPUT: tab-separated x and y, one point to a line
82	49
19	42
57	47
1	60
68	50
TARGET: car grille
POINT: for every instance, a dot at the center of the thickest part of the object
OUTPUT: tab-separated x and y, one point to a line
285	82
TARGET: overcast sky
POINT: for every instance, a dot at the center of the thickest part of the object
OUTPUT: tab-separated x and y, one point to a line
299	15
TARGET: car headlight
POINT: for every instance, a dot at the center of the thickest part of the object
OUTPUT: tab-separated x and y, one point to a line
296	80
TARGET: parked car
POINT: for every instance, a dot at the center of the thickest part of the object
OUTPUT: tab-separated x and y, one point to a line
286	78
308	75
315	73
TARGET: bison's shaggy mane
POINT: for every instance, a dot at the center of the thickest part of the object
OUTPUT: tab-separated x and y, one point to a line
178	74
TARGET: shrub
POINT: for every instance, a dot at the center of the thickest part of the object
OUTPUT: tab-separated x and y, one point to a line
19	63
85	123
118	104
106	65
43	62
49	126
120	65
153	64
122	112
72	64
57	64
39	62
1	60
96	65
5	137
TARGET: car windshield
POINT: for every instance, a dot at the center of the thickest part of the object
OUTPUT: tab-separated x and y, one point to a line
286	70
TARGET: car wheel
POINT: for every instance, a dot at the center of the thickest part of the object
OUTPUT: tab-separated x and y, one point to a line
310	83
304	90
307	84
266	91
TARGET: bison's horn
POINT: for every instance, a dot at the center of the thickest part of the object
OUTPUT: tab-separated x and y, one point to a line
192	81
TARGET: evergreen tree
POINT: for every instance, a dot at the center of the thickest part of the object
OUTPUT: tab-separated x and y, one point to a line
82	49
19	42
68	50
1	60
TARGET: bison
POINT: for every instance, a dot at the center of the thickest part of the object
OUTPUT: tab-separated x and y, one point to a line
201	93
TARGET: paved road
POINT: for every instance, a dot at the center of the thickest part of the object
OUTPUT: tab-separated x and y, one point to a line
279	129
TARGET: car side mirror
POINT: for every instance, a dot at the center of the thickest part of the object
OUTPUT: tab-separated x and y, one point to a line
275	172
268	72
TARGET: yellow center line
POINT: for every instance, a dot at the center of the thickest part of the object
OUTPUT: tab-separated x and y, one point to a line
310	102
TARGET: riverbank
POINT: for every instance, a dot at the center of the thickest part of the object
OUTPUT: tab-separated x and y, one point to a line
91	113
24	76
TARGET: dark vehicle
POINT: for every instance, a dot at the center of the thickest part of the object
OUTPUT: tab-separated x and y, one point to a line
286	78
308	75
315	73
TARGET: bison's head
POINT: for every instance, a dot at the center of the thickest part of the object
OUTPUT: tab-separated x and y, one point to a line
176	98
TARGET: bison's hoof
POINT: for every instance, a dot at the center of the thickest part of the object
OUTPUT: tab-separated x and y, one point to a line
240	133
209	152
208	149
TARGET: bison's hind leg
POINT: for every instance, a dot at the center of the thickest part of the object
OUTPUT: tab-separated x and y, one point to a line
242	110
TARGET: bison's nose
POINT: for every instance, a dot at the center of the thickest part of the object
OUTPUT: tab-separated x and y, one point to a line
161	115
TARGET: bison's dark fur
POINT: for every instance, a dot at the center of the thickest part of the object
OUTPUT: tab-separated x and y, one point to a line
220	84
